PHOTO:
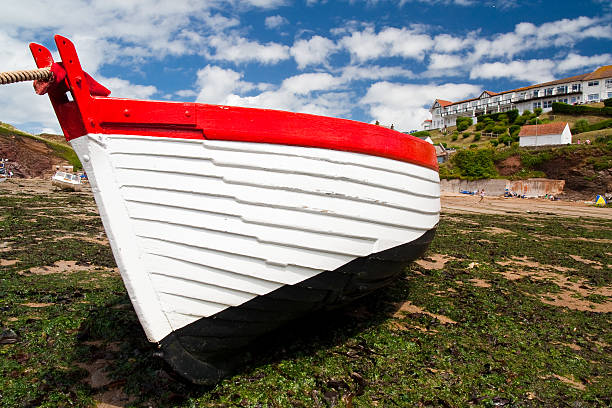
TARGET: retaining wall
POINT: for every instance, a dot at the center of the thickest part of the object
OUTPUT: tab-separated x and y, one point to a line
535	187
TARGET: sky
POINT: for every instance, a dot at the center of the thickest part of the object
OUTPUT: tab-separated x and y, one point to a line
366	60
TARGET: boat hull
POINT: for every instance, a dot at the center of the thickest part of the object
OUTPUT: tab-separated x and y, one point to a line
211	348
205	229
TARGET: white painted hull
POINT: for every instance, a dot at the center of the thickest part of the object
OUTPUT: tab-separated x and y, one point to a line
198	226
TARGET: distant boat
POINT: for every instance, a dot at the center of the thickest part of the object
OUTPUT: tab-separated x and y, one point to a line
227	222
66	181
3	172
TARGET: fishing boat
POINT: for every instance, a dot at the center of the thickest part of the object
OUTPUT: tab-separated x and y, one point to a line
227	222
66	181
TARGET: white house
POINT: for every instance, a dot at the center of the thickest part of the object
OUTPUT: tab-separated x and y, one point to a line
556	133
590	87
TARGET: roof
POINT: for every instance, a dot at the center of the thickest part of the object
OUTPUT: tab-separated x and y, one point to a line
554	128
443	103
599	73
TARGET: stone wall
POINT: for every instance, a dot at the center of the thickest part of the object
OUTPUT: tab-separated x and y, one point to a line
535	187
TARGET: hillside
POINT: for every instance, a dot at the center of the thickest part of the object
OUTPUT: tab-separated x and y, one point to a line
33	156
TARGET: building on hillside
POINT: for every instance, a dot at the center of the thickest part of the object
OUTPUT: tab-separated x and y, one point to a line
65	167
426	125
442	153
590	87
555	133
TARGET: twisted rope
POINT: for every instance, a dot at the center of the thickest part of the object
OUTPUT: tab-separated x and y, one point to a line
41	74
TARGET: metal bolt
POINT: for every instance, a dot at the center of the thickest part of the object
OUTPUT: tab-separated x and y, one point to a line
187	113
126	113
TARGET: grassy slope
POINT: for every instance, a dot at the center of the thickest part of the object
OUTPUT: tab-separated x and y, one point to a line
438	137
507	347
62	150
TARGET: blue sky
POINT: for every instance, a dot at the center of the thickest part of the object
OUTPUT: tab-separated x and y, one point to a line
365	60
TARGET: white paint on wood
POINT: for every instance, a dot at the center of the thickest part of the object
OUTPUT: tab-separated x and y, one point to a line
197	226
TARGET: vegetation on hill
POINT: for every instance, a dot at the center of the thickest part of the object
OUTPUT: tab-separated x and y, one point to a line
586	168
61	150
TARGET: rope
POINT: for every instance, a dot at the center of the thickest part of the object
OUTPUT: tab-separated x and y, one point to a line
42	74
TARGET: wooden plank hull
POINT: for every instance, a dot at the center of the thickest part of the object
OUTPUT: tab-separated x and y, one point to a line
226	222
203	228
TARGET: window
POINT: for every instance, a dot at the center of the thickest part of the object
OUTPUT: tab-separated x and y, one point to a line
575	87
549	91
593	97
537	105
536	93
474	103
573	99
593	83
609	94
563	100
562	89
608	83
547	104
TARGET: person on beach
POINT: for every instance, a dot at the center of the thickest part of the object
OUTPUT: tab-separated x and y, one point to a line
482	194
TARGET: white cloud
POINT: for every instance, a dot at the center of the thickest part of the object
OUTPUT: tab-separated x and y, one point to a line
449	43
120	88
445	61
390	42
527	37
265	3
407	105
574	61
306	83
373	72
313	51
275	21
216	84
537	70
241	50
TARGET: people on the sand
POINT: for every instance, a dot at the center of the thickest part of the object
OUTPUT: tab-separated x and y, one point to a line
482	194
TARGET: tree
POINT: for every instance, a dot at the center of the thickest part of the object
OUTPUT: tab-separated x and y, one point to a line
581	126
463	123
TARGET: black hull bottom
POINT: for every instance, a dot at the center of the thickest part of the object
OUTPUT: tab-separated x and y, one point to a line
209	349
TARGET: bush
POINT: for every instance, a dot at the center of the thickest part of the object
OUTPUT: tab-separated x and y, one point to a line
512	115
499	129
526	113
473	146
494	142
489	127
581	126
454	138
476	137
480	125
607	102
475	163
509	116
559	107
514	129
463	123
421	133
520	121
538	121
537	111
465	135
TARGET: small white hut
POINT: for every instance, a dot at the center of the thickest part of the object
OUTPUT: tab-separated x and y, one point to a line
556	133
